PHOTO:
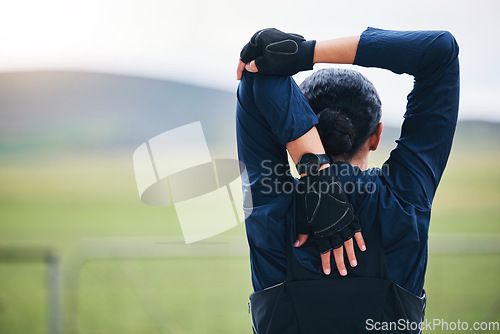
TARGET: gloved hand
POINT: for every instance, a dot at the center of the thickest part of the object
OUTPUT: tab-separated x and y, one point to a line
324	211
279	53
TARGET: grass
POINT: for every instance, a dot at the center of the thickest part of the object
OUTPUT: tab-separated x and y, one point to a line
463	287
63	200
175	296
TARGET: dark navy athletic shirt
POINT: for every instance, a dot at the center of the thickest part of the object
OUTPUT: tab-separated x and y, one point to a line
272	112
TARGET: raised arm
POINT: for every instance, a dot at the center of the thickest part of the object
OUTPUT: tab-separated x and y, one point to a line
431	57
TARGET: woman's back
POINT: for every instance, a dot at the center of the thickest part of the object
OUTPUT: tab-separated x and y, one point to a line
394	201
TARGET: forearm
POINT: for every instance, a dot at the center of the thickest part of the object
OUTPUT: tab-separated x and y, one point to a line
310	142
338	51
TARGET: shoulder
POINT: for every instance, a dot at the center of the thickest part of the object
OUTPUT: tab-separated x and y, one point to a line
264	81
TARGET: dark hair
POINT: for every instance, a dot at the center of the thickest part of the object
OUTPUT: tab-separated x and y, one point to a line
348	108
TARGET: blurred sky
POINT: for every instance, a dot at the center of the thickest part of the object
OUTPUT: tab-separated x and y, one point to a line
199	41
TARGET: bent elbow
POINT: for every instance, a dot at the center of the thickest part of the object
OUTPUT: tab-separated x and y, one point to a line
445	46
440	55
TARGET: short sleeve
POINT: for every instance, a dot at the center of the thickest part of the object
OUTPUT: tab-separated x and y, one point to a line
284	107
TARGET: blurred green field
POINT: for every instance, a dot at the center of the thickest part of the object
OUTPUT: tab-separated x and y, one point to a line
61	200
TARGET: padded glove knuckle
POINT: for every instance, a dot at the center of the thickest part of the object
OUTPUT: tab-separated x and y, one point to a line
355	225
347	233
324	244
336	241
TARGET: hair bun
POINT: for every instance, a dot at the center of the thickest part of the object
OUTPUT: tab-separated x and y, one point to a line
336	131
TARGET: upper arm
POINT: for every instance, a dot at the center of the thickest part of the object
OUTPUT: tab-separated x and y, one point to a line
271	113
419	160
288	113
310	142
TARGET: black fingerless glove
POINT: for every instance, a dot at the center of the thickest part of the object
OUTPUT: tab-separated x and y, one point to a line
279	53
324	211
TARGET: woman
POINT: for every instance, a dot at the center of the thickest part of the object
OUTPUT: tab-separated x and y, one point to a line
393	203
